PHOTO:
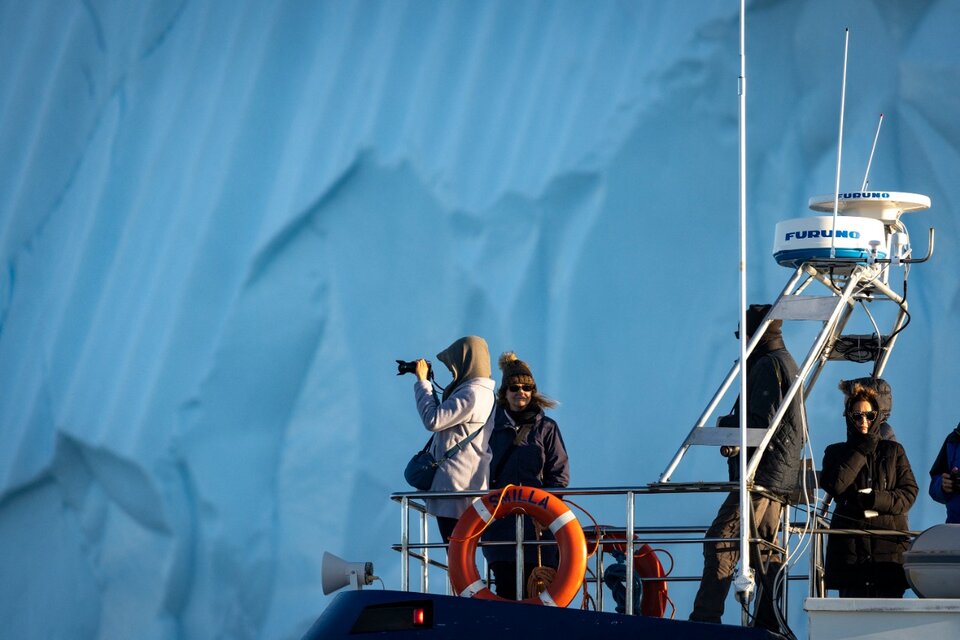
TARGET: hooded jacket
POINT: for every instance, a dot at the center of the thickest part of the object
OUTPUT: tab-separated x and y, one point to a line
867	462
467	405
947	459
770	371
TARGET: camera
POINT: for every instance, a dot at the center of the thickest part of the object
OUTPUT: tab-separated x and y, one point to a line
955	479
411	367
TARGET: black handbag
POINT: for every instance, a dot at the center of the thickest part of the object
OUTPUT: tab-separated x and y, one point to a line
423	466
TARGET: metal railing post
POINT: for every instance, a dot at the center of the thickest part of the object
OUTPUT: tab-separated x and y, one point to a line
425	563
519	556
629	549
785	543
404	544
599	563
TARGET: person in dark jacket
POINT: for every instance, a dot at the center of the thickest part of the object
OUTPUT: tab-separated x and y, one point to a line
527	450
943	476
873	487
770	372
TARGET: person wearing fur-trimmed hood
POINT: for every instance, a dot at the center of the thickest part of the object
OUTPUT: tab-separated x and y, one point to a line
527	449
873	487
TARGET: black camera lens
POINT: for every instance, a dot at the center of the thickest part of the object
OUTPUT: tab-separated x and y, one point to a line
411	367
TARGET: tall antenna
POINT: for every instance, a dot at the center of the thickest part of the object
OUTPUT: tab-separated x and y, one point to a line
866	176
836	190
744	582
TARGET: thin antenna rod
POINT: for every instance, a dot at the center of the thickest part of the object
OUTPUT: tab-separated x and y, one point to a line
744	583
836	190
866	176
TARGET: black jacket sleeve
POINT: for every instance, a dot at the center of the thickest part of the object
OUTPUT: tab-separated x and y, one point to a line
900	498
841	465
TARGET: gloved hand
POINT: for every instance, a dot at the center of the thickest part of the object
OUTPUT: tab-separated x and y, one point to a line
866	443
867	500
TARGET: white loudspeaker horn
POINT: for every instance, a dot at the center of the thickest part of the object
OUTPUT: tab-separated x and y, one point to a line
336	573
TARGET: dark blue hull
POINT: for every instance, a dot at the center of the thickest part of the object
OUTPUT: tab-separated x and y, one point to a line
398	614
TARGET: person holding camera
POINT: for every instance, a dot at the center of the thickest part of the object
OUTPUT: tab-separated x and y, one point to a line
873	487
945	476
528	450
465	410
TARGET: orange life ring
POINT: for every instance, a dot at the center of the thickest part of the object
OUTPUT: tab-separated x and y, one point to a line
543	507
646	564
653	598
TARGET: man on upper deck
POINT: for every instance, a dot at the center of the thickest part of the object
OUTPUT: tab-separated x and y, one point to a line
770	372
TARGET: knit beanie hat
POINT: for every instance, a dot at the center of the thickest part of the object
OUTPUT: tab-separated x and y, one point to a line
515	370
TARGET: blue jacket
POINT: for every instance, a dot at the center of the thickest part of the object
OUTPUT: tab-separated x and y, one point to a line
540	460
947	459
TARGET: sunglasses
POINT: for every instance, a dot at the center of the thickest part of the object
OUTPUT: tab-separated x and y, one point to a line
857	415
521	387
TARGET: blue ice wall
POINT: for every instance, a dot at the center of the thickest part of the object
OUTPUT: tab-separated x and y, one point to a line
221	222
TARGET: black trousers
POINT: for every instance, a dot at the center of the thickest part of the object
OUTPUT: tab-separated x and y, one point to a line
446	526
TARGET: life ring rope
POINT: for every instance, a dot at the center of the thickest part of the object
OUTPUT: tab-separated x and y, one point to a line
596	527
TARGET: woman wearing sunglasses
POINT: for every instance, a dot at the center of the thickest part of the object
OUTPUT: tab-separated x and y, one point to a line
527	450
873	487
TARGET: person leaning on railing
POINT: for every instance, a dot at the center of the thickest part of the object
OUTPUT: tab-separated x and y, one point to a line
873	487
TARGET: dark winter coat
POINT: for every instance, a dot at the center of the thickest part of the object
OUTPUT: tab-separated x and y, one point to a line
540	460
947	459
848	467
770	372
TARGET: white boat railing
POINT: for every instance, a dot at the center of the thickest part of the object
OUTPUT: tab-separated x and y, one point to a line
417	548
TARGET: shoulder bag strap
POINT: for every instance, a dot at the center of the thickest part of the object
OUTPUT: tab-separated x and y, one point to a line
452	451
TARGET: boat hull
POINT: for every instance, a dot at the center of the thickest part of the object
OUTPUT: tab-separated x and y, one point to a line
393	614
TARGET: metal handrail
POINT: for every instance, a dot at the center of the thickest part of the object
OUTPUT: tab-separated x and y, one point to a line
632	534
407	548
